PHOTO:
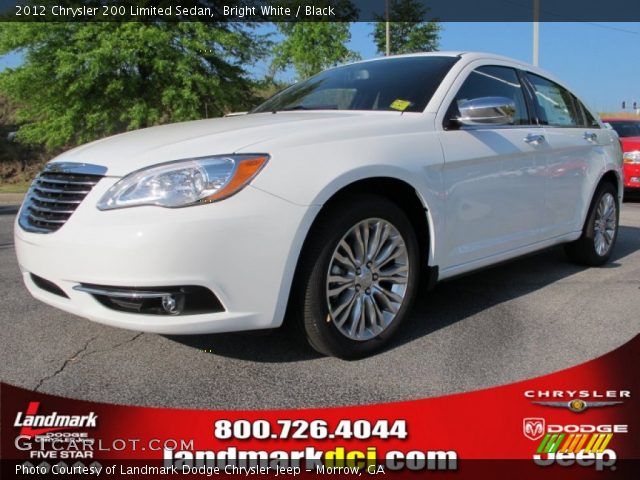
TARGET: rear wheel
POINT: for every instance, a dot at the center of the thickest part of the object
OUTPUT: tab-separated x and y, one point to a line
600	231
357	277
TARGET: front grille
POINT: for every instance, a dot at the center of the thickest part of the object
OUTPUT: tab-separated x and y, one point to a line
56	193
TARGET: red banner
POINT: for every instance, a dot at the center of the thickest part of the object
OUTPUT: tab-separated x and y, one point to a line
578	423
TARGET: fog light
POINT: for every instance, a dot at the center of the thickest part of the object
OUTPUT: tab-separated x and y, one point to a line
177	300
173	304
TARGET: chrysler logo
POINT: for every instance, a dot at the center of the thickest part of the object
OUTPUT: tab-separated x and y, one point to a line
577	405
533	428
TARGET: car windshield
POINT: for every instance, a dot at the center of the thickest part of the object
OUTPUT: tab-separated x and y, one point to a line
403	84
628	128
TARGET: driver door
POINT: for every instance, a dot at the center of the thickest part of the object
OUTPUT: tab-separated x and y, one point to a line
493	174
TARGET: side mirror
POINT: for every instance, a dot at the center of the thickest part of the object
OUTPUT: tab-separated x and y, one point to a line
487	111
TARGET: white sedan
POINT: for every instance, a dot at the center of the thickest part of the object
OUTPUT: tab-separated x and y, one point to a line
325	204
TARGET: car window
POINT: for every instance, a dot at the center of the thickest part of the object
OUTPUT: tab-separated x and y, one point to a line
492	81
589	120
557	105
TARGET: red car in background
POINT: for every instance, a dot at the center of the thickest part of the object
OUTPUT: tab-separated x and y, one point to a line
629	132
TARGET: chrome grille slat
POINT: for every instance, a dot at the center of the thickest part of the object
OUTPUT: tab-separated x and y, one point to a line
50	210
46	220
59	191
56	193
38	198
67	182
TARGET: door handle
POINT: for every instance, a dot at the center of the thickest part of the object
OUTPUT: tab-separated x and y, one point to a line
590	136
534	139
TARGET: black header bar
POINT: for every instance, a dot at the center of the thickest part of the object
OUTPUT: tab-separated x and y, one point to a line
318	10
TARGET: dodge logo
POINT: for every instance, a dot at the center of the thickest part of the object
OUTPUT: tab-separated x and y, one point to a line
533	428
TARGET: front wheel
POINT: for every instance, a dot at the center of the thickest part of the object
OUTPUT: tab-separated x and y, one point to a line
600	231
357	277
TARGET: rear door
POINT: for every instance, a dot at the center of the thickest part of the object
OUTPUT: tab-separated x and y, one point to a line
577	158
493	175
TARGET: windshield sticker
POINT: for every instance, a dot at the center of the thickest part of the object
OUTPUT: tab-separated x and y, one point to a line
401	105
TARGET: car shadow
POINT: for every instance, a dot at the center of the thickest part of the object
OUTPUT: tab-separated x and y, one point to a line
448	303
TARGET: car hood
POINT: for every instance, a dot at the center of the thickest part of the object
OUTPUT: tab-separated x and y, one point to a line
630	144
255	133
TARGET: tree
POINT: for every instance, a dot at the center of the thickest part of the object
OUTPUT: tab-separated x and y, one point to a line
406	37
18	163
83	80
310	47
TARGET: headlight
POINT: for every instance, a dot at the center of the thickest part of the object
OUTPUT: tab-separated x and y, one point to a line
185	182
631	157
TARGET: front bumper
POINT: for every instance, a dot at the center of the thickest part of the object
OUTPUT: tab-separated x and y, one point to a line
631	175
244	249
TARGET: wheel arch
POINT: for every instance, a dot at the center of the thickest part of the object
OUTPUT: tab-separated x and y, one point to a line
613	177
401	193
398	190
607	176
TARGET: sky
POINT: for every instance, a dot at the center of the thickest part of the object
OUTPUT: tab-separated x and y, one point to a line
600	62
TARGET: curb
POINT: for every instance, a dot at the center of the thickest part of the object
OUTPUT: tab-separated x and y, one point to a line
9	209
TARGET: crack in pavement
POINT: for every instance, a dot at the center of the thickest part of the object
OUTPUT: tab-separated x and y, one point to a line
66	362
78	356
113	347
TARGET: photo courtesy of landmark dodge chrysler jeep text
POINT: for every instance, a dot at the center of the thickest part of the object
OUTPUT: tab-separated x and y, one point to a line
326	203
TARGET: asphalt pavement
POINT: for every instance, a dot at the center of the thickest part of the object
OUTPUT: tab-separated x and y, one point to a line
512	322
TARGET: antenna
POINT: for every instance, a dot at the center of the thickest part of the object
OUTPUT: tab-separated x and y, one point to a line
387	27
536	32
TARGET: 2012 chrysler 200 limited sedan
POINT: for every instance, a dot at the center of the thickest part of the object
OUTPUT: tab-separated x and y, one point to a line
326	203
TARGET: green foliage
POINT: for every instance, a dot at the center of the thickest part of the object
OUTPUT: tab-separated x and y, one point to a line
267	87
18	163
407	37
82	81
312	47
7	112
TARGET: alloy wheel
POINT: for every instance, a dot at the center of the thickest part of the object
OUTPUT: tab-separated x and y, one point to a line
605	224
367	279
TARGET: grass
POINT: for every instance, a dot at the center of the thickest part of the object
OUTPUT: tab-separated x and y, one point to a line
20	187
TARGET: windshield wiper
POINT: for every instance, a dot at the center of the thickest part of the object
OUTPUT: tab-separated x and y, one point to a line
304	107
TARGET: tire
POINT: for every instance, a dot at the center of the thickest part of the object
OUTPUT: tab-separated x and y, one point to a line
321	305
600	226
